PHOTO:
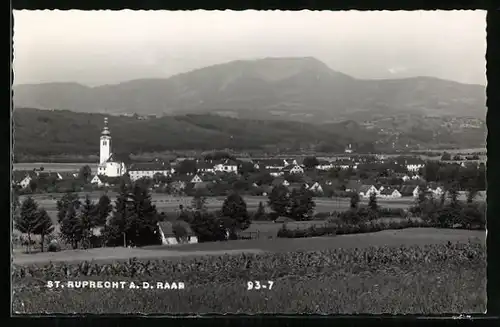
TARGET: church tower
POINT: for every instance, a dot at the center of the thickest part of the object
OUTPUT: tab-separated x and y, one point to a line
105	145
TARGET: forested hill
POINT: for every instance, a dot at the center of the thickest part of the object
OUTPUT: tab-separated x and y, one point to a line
46	132
298	89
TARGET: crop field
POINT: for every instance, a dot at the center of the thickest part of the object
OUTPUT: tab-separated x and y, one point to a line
415	278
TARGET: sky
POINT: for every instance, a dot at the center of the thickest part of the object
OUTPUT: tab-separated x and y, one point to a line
106	47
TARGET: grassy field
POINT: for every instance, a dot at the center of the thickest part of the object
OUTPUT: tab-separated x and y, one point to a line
412	279
170	204
410	236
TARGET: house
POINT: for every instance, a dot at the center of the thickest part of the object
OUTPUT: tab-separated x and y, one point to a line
435	190
316	188
272	163
205	167
414	164
379	188
196	179
22	178
409	190
405	178
148	169
390	193
275	172
367	190
166	229
288	162
228	166
293	169
102	180
345	164
324	165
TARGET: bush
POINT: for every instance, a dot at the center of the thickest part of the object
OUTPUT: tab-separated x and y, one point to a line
391	212
54	246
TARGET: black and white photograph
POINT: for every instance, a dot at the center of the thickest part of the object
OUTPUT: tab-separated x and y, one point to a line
248	162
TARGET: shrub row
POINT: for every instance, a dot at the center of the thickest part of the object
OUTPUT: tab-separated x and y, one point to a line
343	228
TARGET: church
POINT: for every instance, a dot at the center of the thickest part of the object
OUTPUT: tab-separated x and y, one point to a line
109	166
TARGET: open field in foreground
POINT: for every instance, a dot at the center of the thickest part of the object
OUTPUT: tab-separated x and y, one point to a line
410	236
418	279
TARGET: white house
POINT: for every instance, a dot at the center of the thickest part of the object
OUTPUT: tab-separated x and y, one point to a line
390	193
228	166
405	178
414	165
275	172
101	180
166	229
109	165
196	179
436	191
148	170
293	169
367	190
316	188
205	167
324	165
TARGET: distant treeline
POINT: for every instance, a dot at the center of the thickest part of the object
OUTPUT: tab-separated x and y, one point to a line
50	133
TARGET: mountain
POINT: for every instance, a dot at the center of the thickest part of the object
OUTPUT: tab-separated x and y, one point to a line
43	133
300	89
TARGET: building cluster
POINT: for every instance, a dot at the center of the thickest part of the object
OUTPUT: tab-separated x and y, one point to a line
111	168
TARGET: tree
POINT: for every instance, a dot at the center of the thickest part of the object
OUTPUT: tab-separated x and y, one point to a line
142	224
67	201
260	213
310	162
72	230
471	194
354	201
207	227
104	208
114	231
44	226
186	167
446	156
180	232
278	200
199	201
85	174
234	211
372	203
28	219
301	204
88	218
453	195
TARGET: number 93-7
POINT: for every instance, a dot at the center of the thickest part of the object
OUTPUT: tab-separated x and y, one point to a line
257	285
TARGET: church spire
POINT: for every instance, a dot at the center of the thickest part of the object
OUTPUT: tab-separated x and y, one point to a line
105	131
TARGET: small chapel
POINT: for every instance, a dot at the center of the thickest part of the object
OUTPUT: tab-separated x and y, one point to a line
108	165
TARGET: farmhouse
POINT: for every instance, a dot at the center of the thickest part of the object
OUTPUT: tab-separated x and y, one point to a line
324	165
168	237
367	190
316	188
414	164
390	193
205	167
228	166
102	180
293	169
22	178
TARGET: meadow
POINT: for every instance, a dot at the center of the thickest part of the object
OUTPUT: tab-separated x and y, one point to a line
418	278
170	204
